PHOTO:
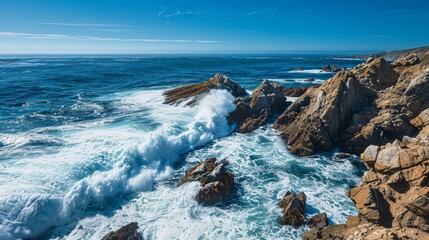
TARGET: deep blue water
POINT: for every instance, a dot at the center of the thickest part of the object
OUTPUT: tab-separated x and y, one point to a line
79	134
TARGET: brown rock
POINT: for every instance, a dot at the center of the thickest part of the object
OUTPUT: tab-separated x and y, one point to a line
318	221
127	232
313	122
214	192
406	61
255	110
293	209
192	93
217	183
296	92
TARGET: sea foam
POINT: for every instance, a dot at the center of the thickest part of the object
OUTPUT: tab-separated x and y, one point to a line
136	168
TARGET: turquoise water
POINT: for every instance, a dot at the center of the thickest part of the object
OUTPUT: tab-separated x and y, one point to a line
87	145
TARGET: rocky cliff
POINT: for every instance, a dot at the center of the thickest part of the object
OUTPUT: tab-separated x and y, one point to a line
372	103
393	198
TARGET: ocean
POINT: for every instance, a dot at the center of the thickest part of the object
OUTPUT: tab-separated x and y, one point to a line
87	146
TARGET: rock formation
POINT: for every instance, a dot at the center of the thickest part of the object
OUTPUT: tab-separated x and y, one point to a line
252	111
293	209
297	92
393	199
318	221
127	232
328	68
372	103
216	182
255	110
192	93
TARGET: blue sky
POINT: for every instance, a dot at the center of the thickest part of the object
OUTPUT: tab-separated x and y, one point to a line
202	26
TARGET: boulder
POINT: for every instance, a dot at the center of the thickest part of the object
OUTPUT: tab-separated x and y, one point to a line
216	182
194	92
395	190
377	74
127	232
406	61
217	191
255	110
293	208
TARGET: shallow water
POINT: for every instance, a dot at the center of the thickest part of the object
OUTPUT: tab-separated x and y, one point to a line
87	146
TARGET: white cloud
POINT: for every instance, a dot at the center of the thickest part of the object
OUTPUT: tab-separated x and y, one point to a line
82	24
92	38
189	12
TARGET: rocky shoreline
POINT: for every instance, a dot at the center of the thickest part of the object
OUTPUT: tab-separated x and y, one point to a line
378	109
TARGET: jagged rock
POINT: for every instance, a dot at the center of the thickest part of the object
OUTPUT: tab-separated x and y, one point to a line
192	93
376	74
370	104
200	172
314	121
406	61
217	183
214	192
395	190
296	92
328	68
293	209
318	221
127	232
255	110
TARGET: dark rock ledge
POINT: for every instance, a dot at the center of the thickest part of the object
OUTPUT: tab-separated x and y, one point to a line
216	182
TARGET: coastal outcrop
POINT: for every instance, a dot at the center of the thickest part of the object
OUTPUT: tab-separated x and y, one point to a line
314	121
372	103
252	111
216	182
293	209
190	94
255	110
395	189
328	68
127	232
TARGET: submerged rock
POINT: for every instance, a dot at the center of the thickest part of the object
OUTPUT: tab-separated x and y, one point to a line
194	92
127	232
217	183
293	209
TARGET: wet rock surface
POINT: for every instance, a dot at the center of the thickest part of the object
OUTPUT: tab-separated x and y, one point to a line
318	221
293	209
191	94
328	68
216	182
255	110
127	232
